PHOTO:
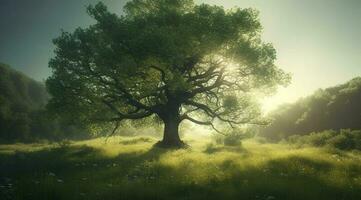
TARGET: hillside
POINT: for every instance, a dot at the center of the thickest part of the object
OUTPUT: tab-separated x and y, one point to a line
332	108
22	110
20	98
18	89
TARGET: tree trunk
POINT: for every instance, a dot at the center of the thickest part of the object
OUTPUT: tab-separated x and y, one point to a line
171	120
171	133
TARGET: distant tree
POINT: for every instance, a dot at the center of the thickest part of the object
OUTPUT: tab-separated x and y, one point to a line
171	59
23	117
333	108
19	97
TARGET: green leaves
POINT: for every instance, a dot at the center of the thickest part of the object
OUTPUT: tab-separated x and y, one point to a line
333	108
164	54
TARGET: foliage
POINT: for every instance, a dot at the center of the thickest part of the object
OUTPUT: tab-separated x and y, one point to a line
169	59
22	110
19	97
233	137
126	168
232	140
332	108
345	139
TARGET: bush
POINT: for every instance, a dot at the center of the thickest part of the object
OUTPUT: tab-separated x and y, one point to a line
345	139
234	138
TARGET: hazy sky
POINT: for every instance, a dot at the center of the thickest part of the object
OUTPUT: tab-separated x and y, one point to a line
318	41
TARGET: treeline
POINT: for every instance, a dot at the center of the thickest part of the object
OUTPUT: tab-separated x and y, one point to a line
23	116
333	108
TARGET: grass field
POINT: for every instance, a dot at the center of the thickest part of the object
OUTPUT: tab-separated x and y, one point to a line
131	168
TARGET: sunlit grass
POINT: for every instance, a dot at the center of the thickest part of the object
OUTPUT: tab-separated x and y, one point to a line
131	168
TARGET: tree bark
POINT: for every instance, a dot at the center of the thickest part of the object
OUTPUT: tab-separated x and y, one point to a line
171	132
171	120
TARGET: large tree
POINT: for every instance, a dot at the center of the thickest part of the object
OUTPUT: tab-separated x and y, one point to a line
170	59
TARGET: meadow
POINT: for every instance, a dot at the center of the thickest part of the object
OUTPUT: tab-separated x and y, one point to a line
132	168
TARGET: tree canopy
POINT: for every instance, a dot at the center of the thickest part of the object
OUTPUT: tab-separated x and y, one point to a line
170	59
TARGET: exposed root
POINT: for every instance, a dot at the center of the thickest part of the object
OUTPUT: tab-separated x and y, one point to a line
171	145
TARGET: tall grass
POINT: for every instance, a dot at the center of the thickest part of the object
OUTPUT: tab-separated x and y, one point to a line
131	168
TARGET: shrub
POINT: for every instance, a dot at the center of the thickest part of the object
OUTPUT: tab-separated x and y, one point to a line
345	139
233	138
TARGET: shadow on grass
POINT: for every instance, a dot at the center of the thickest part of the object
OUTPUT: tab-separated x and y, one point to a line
136	140
54	173
69	158
83	172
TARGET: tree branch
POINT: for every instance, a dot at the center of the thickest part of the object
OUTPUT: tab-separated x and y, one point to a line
162	72
122	116
207	123
217	83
